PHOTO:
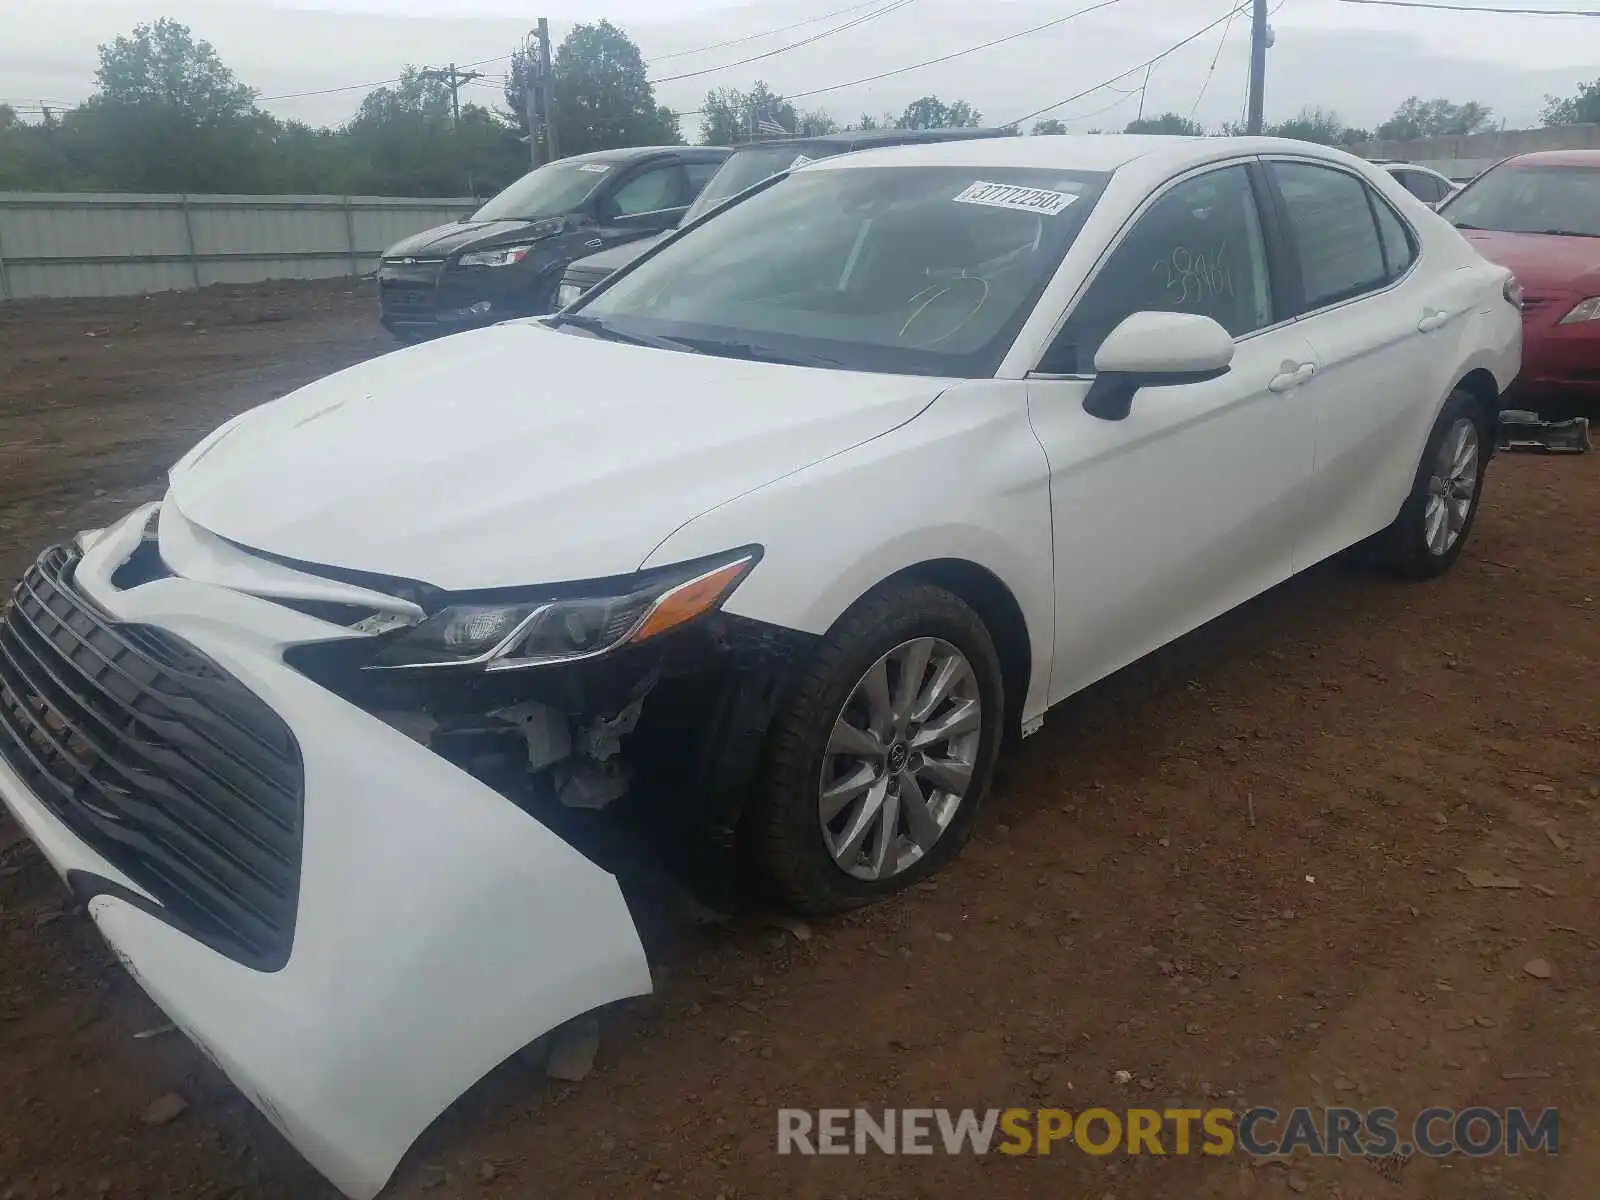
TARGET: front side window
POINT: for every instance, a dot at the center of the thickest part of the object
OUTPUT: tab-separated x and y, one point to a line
1531	199
651	190
915	270
1334	232
551	191
1197	249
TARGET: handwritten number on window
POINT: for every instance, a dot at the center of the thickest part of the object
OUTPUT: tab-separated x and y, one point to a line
1191	278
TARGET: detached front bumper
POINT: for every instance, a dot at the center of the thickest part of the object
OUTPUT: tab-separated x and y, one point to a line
354	930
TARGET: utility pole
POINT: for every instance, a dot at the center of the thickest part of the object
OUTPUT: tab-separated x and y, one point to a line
454	80
547	93
1259	37
531	70
50	131
1150	70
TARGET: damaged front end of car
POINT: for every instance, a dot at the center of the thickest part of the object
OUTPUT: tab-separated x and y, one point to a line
304	806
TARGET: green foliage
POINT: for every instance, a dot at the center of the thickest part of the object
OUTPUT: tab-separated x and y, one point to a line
729	115
1049	125
403	140
1170	123
1318	125
603	97
930	112
1582	108
1435	118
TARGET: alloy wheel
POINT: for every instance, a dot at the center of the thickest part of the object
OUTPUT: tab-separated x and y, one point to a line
1452	488
900	759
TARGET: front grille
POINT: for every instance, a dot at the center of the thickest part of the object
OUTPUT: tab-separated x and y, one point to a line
159	759
408	297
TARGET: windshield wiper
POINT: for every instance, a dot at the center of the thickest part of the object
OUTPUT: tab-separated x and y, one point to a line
1567	233
754	353
600	329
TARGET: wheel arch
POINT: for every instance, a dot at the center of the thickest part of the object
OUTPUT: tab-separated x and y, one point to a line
997	607
1481	384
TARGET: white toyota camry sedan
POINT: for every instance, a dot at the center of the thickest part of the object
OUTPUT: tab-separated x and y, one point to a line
780	534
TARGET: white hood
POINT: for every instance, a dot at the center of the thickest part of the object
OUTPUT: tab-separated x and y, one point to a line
519	455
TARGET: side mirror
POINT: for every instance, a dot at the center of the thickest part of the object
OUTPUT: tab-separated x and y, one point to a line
1155	349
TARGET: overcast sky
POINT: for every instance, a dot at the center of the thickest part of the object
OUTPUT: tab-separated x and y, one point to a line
1359	60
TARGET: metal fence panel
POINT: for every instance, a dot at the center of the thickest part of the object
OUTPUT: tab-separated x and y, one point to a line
65	245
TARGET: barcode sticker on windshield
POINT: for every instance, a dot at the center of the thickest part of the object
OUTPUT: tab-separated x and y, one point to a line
1023	199
800	161
597	168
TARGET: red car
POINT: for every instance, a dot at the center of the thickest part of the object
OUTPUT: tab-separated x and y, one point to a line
1539	214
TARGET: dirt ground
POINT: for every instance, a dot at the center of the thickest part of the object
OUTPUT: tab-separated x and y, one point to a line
1237	872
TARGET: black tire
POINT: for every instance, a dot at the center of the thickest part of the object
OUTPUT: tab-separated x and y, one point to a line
791	861
1402	549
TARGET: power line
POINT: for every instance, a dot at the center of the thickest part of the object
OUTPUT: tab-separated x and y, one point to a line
894	6
351	87
928	62
1474	8
838	12
1215	59
1010	37
1172	49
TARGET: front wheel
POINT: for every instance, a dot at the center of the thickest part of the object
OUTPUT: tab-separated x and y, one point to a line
1432	529
880	760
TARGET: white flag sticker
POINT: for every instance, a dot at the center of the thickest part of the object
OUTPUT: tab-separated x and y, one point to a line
596	168
1023	199
800	161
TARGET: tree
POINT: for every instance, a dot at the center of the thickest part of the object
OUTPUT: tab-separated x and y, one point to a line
603	98
162	64
1049	125
929	112
730	116
815	122
1435	118
403	140
1582	108
1317	125
1167	123
168	115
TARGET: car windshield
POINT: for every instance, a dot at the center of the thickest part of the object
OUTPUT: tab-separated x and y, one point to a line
1531	200
912	270
550	191
744	169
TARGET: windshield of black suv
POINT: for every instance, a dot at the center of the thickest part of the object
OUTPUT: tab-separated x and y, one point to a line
1531	199
746	168
554	189
911	270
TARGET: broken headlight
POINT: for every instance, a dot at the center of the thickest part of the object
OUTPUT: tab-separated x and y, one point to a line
499	637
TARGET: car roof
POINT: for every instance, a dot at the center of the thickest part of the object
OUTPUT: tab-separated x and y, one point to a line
1558	158
1074	152
633	153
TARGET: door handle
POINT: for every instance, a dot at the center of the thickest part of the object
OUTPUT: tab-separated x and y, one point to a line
1432	319
1292	375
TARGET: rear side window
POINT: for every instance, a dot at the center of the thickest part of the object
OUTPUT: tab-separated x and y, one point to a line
1334	231
1399	249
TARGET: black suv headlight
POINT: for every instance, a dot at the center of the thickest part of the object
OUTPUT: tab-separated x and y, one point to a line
533	633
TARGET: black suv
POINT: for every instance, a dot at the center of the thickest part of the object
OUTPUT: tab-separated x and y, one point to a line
507	258
748	166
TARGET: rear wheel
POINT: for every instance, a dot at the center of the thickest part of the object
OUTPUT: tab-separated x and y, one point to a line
883	754
1434	523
